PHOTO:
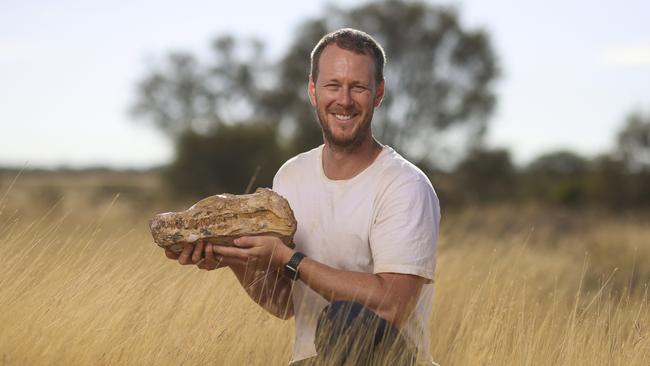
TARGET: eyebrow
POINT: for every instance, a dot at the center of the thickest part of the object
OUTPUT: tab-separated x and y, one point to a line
352	83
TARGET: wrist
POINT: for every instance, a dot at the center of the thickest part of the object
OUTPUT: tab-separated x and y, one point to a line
282	255
292	266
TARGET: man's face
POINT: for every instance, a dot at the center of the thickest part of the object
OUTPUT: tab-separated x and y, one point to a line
345	94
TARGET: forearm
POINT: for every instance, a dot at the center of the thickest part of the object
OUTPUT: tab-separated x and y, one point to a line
392	296
270	289
378	292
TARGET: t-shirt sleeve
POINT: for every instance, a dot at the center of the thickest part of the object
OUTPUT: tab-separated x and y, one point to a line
285	177
279	181
404	233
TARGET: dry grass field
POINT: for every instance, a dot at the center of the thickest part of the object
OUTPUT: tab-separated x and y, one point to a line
81	283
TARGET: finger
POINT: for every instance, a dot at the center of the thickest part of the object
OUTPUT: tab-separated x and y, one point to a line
184	257
197	255
171	254
256	241
237	253
209	262
246	241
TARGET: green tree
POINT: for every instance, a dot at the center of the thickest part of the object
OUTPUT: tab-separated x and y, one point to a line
486	175
609	185
185	95
634	142
439	79
211	110
561	163
558	177
225	161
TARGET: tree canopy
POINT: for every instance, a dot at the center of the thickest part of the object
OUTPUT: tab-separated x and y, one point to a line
559	163
439	79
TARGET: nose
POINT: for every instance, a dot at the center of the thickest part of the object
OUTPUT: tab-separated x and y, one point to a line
344	97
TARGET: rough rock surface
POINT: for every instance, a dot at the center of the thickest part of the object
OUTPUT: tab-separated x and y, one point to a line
222	218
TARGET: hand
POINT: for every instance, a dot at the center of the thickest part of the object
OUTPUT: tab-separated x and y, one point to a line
203	255
258	252
191	253
211	261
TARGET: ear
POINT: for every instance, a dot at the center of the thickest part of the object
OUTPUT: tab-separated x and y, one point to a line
311	90
379	95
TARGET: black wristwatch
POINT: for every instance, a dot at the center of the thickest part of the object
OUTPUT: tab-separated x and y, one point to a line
291	268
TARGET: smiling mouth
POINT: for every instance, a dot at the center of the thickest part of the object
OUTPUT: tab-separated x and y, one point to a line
343	117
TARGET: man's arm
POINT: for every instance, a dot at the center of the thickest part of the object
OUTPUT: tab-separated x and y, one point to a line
392	296
267	287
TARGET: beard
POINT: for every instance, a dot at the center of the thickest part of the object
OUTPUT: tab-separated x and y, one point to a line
345	143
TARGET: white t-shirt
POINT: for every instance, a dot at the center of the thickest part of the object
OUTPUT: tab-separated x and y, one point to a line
385	219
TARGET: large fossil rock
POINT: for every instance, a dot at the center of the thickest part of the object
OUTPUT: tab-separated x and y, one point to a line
222	218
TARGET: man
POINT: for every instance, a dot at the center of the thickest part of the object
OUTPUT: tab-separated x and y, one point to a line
360	279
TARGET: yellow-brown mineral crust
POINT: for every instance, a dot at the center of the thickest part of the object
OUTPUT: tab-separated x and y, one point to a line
222	218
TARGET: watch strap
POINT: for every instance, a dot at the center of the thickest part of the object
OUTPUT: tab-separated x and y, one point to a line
291	268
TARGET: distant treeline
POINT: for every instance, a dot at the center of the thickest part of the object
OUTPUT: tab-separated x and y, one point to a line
486	176
227	161
558	178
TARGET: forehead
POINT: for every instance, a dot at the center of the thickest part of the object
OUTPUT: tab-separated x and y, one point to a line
336	62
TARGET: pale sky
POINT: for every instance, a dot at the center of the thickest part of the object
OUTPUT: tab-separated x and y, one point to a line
572	71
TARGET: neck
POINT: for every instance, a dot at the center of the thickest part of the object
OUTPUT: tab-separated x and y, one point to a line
346	163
